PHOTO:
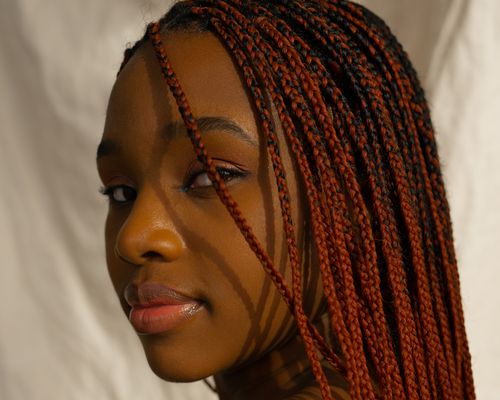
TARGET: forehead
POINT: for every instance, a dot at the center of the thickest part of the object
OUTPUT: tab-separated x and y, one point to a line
141	101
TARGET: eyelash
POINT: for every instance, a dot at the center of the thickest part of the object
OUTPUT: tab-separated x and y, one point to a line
110	191
227	174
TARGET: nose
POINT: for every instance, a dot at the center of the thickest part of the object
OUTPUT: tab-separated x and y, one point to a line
148	234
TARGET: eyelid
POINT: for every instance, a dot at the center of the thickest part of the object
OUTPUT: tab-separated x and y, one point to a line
116	179
193	172
196	165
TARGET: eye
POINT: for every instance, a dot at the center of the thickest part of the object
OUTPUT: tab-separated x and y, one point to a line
119	193
199	179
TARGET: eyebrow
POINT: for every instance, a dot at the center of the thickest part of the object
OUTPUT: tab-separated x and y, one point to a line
177	129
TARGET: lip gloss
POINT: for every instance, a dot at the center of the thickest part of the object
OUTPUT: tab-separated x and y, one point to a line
161	318
156	308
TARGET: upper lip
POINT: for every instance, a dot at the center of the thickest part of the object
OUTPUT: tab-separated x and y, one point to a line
150	294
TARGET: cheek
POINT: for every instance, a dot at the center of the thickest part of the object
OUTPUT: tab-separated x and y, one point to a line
229	267
245	304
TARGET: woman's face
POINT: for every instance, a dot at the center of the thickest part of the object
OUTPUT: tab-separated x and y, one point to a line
167	226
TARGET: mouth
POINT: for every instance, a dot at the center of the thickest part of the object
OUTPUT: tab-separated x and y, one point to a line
156	308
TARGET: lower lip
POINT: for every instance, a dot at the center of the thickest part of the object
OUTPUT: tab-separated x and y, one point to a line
161	318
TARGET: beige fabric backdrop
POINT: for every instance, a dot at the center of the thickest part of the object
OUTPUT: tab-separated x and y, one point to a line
62	335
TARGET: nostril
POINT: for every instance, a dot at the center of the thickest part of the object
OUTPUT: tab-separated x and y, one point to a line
152	255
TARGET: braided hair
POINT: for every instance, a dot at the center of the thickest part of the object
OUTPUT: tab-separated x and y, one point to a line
357	122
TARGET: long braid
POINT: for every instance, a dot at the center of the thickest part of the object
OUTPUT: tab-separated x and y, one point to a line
355	117
418	104
272	144
444	230
296	146
375	284
402	188
407	334
369	275
297	280
360	365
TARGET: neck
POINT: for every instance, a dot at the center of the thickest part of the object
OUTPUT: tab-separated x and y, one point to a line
281	373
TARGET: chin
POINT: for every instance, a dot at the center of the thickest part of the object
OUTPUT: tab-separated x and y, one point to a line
173	373
177	363
187	371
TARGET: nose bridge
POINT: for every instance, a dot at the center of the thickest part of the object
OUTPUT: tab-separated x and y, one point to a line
148	232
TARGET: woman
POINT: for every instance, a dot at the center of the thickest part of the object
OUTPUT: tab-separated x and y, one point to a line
277	214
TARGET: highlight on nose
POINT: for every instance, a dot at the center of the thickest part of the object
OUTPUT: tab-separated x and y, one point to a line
154	244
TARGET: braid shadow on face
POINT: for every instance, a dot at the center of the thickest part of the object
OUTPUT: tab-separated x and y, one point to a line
356	120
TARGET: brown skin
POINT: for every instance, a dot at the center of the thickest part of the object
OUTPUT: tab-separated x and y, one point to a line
244	334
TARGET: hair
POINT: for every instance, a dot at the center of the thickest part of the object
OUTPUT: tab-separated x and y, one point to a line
356	120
